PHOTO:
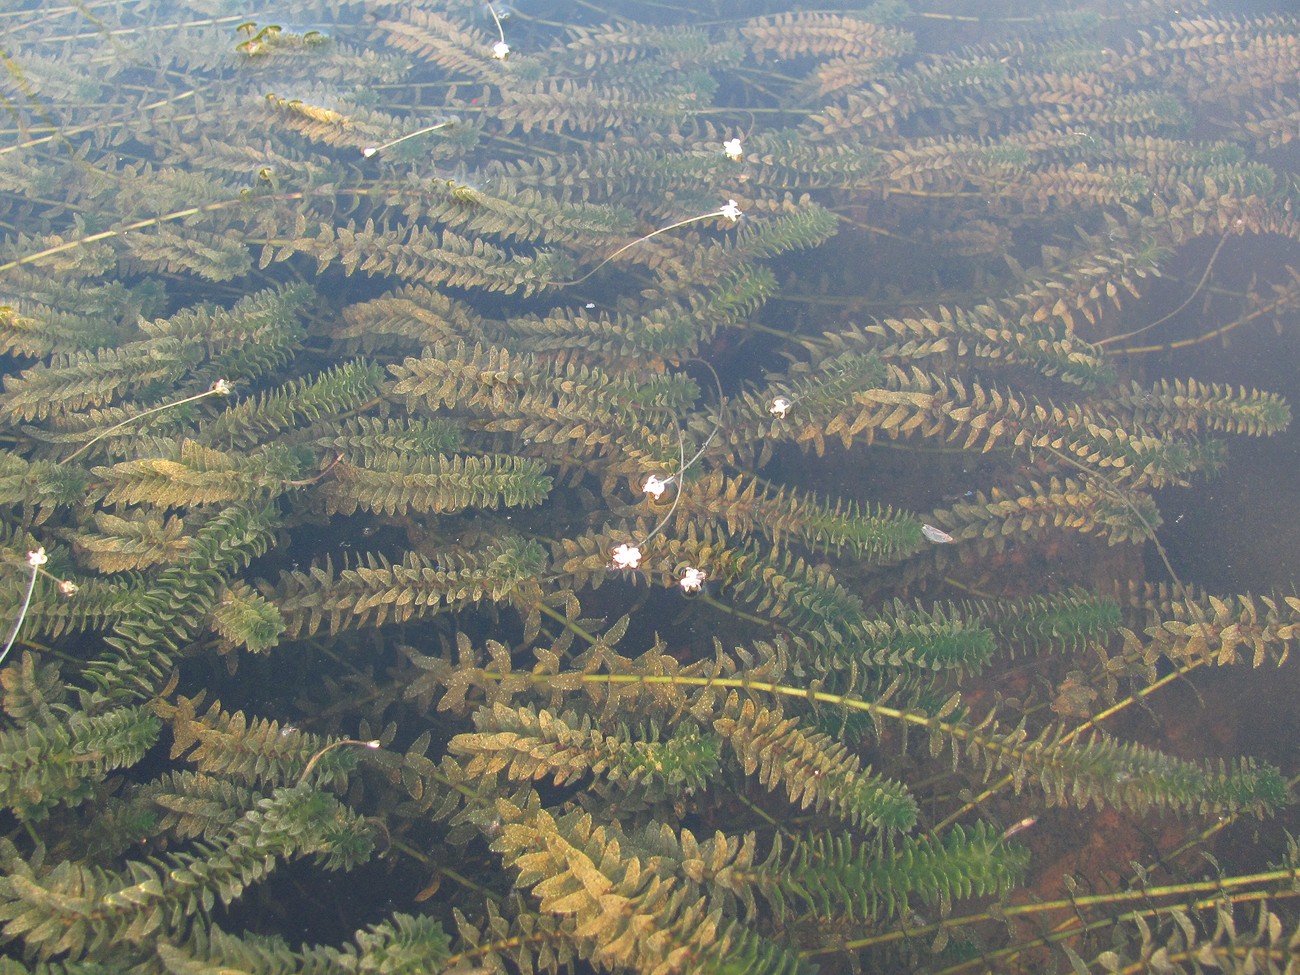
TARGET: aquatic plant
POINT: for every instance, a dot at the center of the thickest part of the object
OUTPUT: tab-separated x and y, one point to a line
399	637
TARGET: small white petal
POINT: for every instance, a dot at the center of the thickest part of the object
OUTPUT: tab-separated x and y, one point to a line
626	556
500	49
936	535
655	486
692	579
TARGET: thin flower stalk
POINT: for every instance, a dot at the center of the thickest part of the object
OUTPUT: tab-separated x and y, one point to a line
219	388
35	559
342	743
627	555
369	151
500	50
731	210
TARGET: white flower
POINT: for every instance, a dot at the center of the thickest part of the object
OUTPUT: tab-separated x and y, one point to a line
68	587
731	211
369	151
780	407
692	579
37	559
626	556
221	387
733	150
500	49
655	486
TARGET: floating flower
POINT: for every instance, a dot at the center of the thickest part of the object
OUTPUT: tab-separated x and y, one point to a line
500	49
731	211
68	587
37	559
692	579
626	556
733	150
779	407
655	486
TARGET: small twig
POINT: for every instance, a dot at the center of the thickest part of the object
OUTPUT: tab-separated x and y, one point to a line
304	482
1205	276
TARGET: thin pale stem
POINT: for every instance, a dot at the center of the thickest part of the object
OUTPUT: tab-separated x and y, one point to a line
677	495
345	742
1205	336
369	151
564	621
22	613
214	391
500	30
683	465
626	247
1205	276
